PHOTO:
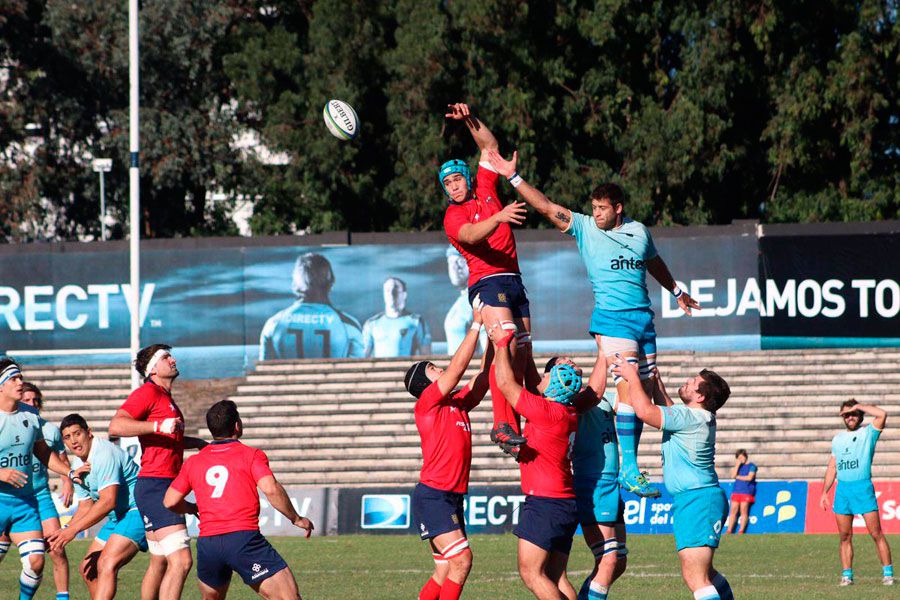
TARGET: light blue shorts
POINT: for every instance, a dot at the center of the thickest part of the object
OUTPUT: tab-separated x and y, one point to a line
698	517
855	497
19	514
634	325
130	526
46	507
599	501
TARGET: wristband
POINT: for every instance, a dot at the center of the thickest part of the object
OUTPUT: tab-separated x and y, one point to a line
676	291
475	326
515	180
72	474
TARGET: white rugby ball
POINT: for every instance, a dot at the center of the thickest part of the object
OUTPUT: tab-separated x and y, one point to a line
341	120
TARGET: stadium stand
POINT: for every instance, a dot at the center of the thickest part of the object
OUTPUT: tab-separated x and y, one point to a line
349	422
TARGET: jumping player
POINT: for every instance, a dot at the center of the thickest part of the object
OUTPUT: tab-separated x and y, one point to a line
105	477
689	473
32	396
442	418
21	439
311	327
150	414
479	227
224	477
851	464
618	252
549	517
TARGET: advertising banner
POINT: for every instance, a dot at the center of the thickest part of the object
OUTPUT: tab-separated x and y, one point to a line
822	521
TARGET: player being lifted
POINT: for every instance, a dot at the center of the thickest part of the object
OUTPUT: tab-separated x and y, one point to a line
479	227
105	479
21	439
618	252
442	418
224	477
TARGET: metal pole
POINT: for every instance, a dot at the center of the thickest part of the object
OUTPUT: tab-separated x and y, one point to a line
135	189
102	210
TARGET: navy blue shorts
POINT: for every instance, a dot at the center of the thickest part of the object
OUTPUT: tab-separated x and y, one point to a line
548	523
148	495
502	290
437	511
247	552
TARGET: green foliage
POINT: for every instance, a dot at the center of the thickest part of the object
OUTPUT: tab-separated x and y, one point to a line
704	111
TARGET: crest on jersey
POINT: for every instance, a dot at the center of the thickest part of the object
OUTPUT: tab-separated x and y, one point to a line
25	423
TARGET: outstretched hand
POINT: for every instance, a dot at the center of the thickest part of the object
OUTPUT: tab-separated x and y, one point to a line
513	213
458	112
627	370
503	166
686	303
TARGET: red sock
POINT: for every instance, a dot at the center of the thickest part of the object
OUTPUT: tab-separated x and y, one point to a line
431	591
451	590
498	400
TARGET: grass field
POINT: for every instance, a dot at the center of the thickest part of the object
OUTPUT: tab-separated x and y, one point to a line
392	567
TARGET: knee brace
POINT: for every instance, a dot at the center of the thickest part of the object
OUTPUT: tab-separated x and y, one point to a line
29	577
601	549
647	366
178	540
439	558
154	549
522	338
622	552
4	548
455	548
617	378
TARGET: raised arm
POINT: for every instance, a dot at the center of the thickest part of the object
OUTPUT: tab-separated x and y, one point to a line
451	376
878	414
657	267
479	383
503	370
560	216
480	133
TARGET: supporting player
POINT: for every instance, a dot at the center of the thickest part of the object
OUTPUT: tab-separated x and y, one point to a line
549	517
689	473
224	477
442	419
618	252
311	327
32	396
21	439
150	414
855	494
396	331
479	227
105	479
595	470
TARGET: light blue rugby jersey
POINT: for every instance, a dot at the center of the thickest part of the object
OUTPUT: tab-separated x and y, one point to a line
458	321
405	335
853	452
53	438
110	465
310	330
615	261
595	449
19	430
688	448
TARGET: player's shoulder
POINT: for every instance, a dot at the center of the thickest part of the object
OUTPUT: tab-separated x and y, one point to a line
374	319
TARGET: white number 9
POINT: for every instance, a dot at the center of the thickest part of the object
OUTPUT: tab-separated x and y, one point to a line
217	477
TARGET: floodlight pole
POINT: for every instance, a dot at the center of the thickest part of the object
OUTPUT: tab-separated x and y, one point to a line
101	166
134	187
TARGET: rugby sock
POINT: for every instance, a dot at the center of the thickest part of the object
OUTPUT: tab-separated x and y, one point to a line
28	585
706	593
722	586
431	590
4	548
62	595
888	570
597	591
451	590
628	430
848	573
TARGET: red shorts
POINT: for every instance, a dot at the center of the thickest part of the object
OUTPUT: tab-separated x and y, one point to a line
743	498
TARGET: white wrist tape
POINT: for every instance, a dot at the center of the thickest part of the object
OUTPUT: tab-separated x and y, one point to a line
676	291
475	326
515	180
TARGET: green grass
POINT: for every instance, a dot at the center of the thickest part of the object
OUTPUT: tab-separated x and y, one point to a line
392	567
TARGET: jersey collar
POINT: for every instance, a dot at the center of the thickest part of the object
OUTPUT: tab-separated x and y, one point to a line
220	442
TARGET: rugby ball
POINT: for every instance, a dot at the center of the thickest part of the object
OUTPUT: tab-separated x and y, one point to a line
341	120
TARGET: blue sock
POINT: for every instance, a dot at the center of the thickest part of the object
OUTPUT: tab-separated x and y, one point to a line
847	573
62	595
707	593
722	586
585	588
888	570
628	430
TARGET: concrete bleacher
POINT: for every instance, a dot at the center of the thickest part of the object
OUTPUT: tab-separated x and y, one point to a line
350	423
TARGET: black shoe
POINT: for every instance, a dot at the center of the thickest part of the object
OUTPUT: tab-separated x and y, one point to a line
505	434
510	450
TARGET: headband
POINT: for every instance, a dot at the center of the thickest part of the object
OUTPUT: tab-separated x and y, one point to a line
9	372
157	356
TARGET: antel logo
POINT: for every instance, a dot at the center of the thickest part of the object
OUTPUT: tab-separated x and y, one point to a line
385	511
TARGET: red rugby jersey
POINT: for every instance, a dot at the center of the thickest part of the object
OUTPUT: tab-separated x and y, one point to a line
223	476
495	254
544	462
161	453
446	434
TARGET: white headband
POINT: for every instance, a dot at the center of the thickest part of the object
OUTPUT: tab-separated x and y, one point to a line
157	356
8	373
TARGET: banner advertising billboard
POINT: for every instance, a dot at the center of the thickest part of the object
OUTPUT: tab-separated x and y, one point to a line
822	521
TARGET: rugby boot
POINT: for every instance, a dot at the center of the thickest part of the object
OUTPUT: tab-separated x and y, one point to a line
638	484
845	581
505	434
510	450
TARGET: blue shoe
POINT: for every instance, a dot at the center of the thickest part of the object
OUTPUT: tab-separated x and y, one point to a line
637	484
